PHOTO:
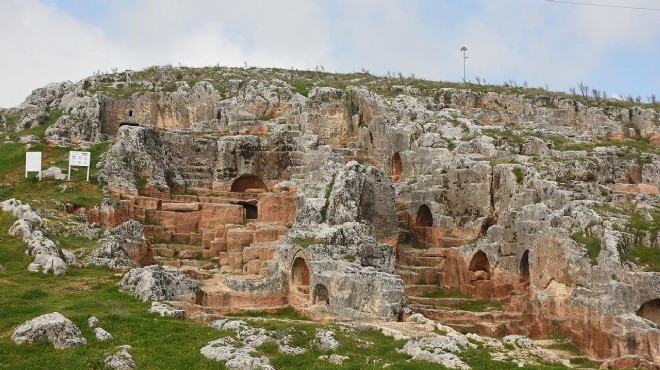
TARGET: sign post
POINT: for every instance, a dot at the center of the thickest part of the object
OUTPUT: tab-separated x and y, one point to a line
79	159
33	163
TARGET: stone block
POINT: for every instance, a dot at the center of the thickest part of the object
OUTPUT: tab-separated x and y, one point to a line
266	235
253	267
214	215
179	207
237	239
218	246
181	238
148	203
277	207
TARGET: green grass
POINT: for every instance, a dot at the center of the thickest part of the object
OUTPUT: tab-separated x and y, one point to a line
566	346
306	242
286	313
479	306
517	171
158	343
40	130
592	244
446	294
15	185
647	257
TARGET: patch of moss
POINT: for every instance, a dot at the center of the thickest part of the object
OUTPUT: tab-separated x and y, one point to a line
517	171
592	244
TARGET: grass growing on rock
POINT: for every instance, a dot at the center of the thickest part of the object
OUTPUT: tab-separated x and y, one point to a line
592	244
447	294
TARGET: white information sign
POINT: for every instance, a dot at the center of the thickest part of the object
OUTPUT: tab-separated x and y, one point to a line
79	159
33	163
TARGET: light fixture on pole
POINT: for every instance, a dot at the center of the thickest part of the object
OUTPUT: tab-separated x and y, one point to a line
464	49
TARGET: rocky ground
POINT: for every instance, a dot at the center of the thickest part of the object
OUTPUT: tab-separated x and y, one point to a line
389	198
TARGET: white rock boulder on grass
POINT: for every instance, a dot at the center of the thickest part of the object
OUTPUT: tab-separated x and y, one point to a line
54	173
48	263
166	310
121	359
439	349
325	340
92	321
102	335
158	283
53	328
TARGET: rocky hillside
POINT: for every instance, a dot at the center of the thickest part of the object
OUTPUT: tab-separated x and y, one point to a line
490	210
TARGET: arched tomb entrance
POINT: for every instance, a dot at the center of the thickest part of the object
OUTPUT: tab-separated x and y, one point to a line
300	276
524	267
422	230
397	167
650	310
248	184
479	272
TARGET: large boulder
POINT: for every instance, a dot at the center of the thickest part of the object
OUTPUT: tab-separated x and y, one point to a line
116	246
158	283
53	328
48	263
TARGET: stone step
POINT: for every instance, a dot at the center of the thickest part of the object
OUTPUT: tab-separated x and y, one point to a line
441	302
178	263
260	251
420	290
409	277
491	323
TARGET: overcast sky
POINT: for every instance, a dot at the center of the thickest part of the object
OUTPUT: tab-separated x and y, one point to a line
541	42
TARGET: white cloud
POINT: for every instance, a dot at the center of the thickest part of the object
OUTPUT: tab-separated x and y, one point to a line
532	40
41	44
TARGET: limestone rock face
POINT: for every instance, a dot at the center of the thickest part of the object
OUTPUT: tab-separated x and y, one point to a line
53	328
363	194
116	246
167	160
346	194
158	283
79	123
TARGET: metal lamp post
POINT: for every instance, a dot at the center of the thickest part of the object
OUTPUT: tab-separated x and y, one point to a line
464	49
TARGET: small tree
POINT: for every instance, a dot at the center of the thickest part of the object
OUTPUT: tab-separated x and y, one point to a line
584	90
572	91
596	94
478	79
638	99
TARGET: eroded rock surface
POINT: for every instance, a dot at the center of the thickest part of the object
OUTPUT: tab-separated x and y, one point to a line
158	283
53	328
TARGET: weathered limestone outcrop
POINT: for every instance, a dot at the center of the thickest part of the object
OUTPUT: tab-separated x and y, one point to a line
158	283
170	161
118	246
53	328
28	226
